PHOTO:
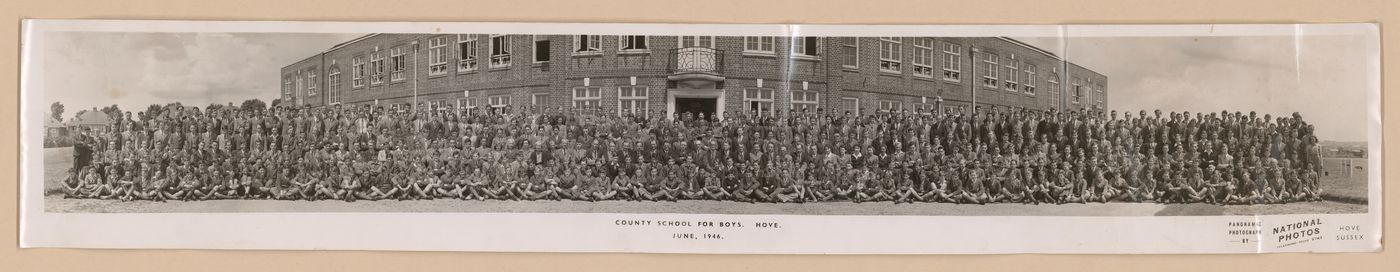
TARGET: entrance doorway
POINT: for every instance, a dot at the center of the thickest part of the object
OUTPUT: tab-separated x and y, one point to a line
696	106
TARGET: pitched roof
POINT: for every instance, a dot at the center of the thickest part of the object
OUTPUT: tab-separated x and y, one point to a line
90	118
50	122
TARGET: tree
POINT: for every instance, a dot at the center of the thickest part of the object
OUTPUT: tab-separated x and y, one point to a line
277	102
214	106
255	105
152	111
57	110
113	112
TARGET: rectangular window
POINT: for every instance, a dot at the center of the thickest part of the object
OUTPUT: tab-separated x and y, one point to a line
311	84
1013	72
400	63
499	101
541	48
539	99
297	92
587	44
587	97
761	45
632	43
952	62
468	103
437	105
851	105
890	106
1078	94
808	101
333	96
697	41
759	100
850	52
500	51
466	52
632	99
806	46
1098	94
891	52
1030	79
287	88
357	71
437	56
376	66
925	109
923	57
990	66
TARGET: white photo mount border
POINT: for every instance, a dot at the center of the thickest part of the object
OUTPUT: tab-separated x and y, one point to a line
789	234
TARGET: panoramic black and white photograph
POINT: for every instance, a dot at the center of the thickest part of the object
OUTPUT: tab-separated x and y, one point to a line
216	122
607	122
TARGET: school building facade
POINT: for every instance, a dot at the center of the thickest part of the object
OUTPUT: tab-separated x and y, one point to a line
697	74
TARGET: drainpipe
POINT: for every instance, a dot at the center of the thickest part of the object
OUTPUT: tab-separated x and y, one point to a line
415	76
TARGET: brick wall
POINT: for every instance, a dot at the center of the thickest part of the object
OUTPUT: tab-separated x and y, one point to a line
779	71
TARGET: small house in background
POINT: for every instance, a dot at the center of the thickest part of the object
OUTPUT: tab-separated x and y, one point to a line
53	127
91	120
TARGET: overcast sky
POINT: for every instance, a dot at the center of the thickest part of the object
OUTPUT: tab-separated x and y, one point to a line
1321	77
135	70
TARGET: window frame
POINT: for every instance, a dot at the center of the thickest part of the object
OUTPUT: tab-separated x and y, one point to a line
535	99
500	58
1029	85
624	41
437	56
681	42
287	87
991	65
852	58
923	49
758	43
891	55
376	63
535	46
439	104
634	100
1012	81
467	54
890	106
769	101
398	57
504	100
300	85
472	103
587	45
1098	93
1078	91
591	95
851	101
801	44
311	84
952	62
800	104
358	71
333	86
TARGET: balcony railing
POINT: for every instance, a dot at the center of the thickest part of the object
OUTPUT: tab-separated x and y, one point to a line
696	60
